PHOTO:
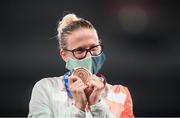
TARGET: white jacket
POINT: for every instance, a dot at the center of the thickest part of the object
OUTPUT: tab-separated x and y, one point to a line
50	100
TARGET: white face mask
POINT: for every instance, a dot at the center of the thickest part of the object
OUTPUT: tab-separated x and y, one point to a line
92	63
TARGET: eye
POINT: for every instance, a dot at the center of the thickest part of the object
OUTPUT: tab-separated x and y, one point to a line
80	50
95	48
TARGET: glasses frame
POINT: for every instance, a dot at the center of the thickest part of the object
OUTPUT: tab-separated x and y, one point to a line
87	50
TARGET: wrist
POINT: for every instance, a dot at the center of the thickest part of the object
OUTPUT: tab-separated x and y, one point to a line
80	106
95	102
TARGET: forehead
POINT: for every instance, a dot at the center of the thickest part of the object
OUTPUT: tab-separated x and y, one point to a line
82	37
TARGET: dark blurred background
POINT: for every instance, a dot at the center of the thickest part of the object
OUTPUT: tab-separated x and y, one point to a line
141	40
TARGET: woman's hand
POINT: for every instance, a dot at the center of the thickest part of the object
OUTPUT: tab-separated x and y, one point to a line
97	88
77	88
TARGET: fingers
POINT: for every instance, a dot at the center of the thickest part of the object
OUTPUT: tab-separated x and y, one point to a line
96	83
72	79
76	84
77	88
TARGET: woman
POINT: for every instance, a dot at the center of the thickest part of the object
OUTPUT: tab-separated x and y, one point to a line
74	95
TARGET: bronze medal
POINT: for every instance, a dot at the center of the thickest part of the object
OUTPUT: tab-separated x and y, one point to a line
83	74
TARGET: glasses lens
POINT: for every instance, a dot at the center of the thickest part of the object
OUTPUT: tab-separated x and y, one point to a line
95	51
80	53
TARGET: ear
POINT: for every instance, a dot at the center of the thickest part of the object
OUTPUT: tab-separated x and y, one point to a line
63	55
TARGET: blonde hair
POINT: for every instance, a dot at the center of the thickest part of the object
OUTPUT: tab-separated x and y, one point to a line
67	25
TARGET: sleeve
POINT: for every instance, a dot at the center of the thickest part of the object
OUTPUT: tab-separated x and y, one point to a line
101	110
128	106
39	106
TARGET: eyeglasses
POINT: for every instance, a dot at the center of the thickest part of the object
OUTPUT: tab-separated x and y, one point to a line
81	53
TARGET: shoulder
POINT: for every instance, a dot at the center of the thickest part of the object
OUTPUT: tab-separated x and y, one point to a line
118	93
118	88
50	82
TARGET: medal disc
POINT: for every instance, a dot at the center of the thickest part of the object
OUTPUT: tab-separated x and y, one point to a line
83	74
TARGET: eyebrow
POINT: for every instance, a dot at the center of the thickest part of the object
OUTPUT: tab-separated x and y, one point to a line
85	47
